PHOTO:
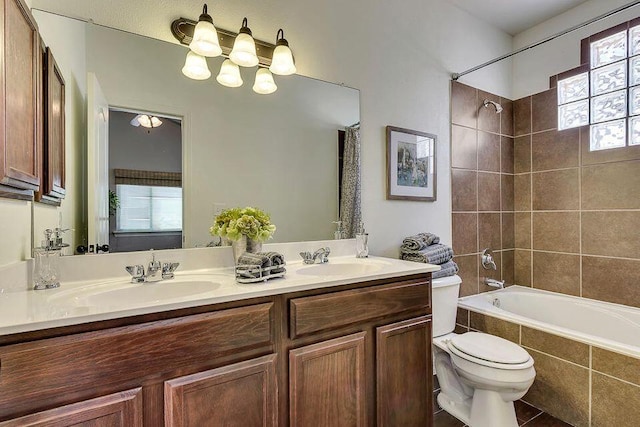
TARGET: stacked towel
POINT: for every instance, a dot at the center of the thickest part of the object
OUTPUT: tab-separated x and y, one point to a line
426	247
277	261
419	241
449	268
260	264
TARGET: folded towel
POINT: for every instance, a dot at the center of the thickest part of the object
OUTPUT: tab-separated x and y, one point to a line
449	268
419	241
259	260
277	261
433	254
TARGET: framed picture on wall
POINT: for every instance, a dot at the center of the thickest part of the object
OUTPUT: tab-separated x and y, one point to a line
411	165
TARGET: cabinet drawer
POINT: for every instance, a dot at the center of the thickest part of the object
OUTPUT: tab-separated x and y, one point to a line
337	309
108	359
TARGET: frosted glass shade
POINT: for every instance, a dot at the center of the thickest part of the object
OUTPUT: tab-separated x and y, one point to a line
195	67
244	51
146	121
264	83
205	40
282	61
229	74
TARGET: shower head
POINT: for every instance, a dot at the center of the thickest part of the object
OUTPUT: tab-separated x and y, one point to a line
497	106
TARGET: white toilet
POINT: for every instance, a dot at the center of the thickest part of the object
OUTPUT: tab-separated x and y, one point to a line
480	375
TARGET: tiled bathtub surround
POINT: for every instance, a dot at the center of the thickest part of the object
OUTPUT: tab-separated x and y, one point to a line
577	213
578	383
482	161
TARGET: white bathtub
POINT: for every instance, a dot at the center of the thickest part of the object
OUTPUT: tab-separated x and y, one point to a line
610	326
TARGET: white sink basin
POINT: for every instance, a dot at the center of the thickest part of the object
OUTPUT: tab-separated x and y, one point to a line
126	294
341	269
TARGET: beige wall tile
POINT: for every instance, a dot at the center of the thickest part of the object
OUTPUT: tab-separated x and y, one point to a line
611	279
464	105
489	231
561	389
506	154
522	116
556	272
555	150
556	231
488	152
555	345
506	117
508	192
522	268
522	230
464	190
508	267
522	192
468	272
556	190
488	191
611	233
465	233
611	186
488	119
462	317
522	154
464	149
544	110
494	326
616	365
508	234
615	403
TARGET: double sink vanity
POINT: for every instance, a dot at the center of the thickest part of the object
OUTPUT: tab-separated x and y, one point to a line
347	343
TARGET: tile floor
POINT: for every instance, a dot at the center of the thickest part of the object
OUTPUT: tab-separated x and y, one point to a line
527	416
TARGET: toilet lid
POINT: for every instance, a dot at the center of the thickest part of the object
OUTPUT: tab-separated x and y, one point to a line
490	348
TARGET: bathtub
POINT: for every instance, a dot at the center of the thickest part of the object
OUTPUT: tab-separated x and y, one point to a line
610	326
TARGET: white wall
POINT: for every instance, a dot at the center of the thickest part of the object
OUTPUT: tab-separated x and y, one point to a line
534	67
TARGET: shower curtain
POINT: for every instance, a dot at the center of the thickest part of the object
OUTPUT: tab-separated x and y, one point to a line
350	214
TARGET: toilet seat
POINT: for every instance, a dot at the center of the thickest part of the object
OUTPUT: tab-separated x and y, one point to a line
489	350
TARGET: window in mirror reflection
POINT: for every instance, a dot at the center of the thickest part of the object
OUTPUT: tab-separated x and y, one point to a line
146	208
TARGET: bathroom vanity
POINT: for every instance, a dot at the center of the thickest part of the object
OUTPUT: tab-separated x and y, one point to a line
351	347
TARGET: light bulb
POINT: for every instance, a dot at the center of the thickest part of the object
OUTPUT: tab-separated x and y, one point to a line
264	83
229	74
195	67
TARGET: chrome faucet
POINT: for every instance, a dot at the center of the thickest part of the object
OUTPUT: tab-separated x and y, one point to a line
499	284
156	271
321	255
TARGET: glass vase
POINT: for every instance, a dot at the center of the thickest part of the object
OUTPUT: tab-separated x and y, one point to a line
245	244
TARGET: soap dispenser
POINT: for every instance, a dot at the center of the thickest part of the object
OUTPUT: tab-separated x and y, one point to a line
46	271
362	242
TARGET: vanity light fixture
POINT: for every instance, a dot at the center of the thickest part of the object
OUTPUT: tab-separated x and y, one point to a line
229	75
195	67
146	121
282	62
244	48
205	37
264	83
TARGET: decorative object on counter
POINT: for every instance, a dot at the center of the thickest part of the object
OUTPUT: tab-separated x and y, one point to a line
246	228
362	242
46	270
258	267
204	40
419	241
338	234
426	247
321	255
411	165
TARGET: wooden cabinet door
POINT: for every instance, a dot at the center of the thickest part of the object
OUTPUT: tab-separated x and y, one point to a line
244	394
404	373
327	383
20	94
115	410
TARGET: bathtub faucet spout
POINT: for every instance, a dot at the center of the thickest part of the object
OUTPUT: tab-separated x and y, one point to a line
494	283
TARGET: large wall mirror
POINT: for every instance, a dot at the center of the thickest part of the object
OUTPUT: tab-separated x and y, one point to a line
279	152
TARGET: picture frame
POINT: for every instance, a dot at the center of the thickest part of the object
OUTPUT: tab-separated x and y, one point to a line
411	165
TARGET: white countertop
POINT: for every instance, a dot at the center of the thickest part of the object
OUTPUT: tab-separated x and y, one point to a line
94	300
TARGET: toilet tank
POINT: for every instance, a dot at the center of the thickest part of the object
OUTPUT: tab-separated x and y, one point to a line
444	304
